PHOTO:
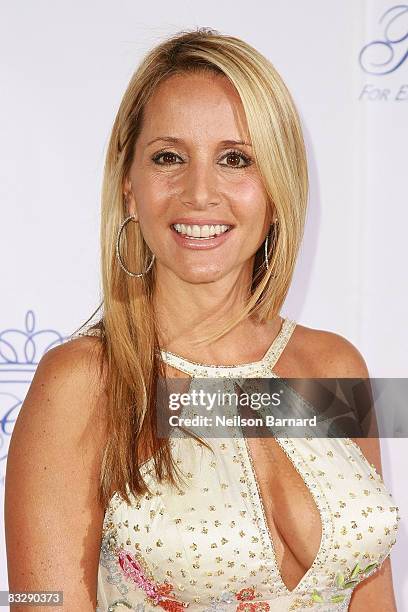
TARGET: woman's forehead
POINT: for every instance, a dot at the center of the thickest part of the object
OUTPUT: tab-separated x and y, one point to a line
196	103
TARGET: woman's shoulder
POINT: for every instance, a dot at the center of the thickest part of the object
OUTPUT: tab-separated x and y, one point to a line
327	354
77	365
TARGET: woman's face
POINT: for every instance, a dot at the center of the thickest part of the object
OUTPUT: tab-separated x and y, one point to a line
186	173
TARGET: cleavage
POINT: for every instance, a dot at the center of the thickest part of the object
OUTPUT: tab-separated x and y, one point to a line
291	513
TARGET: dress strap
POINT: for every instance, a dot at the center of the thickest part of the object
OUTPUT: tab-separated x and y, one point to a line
87	332
280	343
266	363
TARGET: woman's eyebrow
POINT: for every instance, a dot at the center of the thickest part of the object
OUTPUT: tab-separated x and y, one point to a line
174	140
166	139
228	143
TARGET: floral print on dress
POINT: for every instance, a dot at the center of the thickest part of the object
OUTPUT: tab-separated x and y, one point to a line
245	598
357	574
246	595
157	594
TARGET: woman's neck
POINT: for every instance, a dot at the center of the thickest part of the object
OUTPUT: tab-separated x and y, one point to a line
180	332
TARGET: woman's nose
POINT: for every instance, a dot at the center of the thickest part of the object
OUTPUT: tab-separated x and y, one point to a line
200	185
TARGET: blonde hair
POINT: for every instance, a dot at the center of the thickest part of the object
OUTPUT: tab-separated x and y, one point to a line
128	326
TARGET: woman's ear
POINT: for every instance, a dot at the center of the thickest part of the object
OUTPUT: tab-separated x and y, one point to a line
129	198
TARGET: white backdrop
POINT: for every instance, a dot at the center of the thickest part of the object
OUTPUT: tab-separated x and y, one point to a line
65	66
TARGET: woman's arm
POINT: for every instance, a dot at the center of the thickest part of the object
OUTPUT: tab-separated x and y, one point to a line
53	520
345	361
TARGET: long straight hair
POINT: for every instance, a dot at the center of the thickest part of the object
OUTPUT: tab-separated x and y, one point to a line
127	327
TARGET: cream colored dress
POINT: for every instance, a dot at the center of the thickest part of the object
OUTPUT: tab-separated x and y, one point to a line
208	547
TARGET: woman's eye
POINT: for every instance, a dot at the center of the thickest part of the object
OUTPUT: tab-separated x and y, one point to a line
167	156
237	156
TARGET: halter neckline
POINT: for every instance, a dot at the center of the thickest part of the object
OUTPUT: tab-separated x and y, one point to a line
269	358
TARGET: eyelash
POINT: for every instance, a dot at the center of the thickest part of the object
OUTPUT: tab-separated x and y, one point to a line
246	159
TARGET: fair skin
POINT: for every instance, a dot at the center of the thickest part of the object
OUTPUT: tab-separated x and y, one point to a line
198	181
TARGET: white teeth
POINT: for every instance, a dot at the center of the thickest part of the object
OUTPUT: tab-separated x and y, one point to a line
201	231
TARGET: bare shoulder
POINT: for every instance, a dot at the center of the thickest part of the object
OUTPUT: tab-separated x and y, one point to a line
78	357
52	476
71	375
326	354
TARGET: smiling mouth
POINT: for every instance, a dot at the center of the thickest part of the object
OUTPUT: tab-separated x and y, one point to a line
200	232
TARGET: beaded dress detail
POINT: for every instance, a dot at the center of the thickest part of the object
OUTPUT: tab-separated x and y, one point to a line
208	547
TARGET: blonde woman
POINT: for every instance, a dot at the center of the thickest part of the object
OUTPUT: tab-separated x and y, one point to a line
203	210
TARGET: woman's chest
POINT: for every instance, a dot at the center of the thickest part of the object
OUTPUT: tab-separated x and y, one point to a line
226	528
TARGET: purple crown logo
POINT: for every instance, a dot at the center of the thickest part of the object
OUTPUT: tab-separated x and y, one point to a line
20	353
22	349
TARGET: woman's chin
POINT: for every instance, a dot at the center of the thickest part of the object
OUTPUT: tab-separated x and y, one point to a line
200	273
203	276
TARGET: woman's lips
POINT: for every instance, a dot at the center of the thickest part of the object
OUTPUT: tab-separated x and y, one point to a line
200	243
